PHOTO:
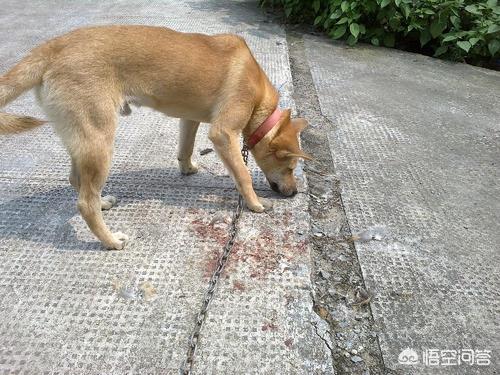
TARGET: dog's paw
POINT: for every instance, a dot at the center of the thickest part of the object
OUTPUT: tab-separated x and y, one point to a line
107	202
120	241
188	167
262	206
267	203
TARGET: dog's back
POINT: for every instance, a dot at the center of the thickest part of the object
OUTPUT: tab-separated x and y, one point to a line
127	61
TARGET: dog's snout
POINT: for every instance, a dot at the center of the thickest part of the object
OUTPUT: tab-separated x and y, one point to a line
274	186
294	192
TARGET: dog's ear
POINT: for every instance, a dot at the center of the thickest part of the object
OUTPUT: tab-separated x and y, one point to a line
286	142
284	121
299	124
282	154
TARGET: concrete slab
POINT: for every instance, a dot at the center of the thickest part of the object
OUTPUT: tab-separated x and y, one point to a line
259	310
416	147
68	307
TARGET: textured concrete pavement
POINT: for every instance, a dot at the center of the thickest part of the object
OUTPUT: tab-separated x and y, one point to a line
67	306
416	146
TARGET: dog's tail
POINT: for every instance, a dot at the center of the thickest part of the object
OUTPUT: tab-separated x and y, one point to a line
24	76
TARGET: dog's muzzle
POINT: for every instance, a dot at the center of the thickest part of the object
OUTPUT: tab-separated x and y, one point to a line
276	188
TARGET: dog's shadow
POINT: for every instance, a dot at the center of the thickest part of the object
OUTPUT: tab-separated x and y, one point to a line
48	216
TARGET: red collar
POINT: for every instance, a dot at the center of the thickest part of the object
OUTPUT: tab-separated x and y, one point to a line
264	128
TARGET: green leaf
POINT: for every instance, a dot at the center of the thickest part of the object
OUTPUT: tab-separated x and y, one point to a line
316	4
425	36
384	3
342	20
491	3
472	9
429	12
449	37
406	10
464	45
397	2
437	28
336	14
351	40
473	41
493	28
375	41
317	20
494	46
344	6
441	50
394	23
455	21
389	40
339	32
362	29
354	28
288	11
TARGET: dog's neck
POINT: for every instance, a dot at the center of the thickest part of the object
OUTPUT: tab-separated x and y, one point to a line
262	111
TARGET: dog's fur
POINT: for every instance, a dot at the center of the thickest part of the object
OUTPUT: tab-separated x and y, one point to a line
84	78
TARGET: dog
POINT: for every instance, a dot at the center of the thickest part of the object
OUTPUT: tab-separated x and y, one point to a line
84	78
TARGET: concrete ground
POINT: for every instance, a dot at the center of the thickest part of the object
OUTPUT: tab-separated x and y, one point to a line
416	147
402	206
70	307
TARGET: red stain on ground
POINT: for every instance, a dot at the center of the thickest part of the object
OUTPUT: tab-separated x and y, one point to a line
214	232
269	327
262	253
238	285
289	343
211	263
211	232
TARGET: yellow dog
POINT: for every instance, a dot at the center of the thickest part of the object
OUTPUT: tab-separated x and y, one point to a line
84	78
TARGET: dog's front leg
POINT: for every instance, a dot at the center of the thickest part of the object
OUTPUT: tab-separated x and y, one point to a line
227	146
187	135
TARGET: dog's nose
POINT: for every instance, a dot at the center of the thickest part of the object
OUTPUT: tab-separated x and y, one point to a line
274	186
294	192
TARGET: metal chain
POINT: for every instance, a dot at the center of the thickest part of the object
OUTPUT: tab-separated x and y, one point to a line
212	284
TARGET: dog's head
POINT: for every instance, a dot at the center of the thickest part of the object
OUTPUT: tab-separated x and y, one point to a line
277	155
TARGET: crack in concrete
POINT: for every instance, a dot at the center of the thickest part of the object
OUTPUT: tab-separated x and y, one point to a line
315	325
321	178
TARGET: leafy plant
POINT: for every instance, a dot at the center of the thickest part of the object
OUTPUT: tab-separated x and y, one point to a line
455	29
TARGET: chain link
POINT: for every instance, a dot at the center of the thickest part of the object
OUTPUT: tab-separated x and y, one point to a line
212	284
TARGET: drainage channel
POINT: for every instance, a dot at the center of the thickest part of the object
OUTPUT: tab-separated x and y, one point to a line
340	297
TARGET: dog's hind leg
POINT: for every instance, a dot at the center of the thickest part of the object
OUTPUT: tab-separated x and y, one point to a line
107	202
74	176
187	135
66	124
89	139
92	162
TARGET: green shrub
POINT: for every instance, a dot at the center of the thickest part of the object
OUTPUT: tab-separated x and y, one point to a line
455	29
